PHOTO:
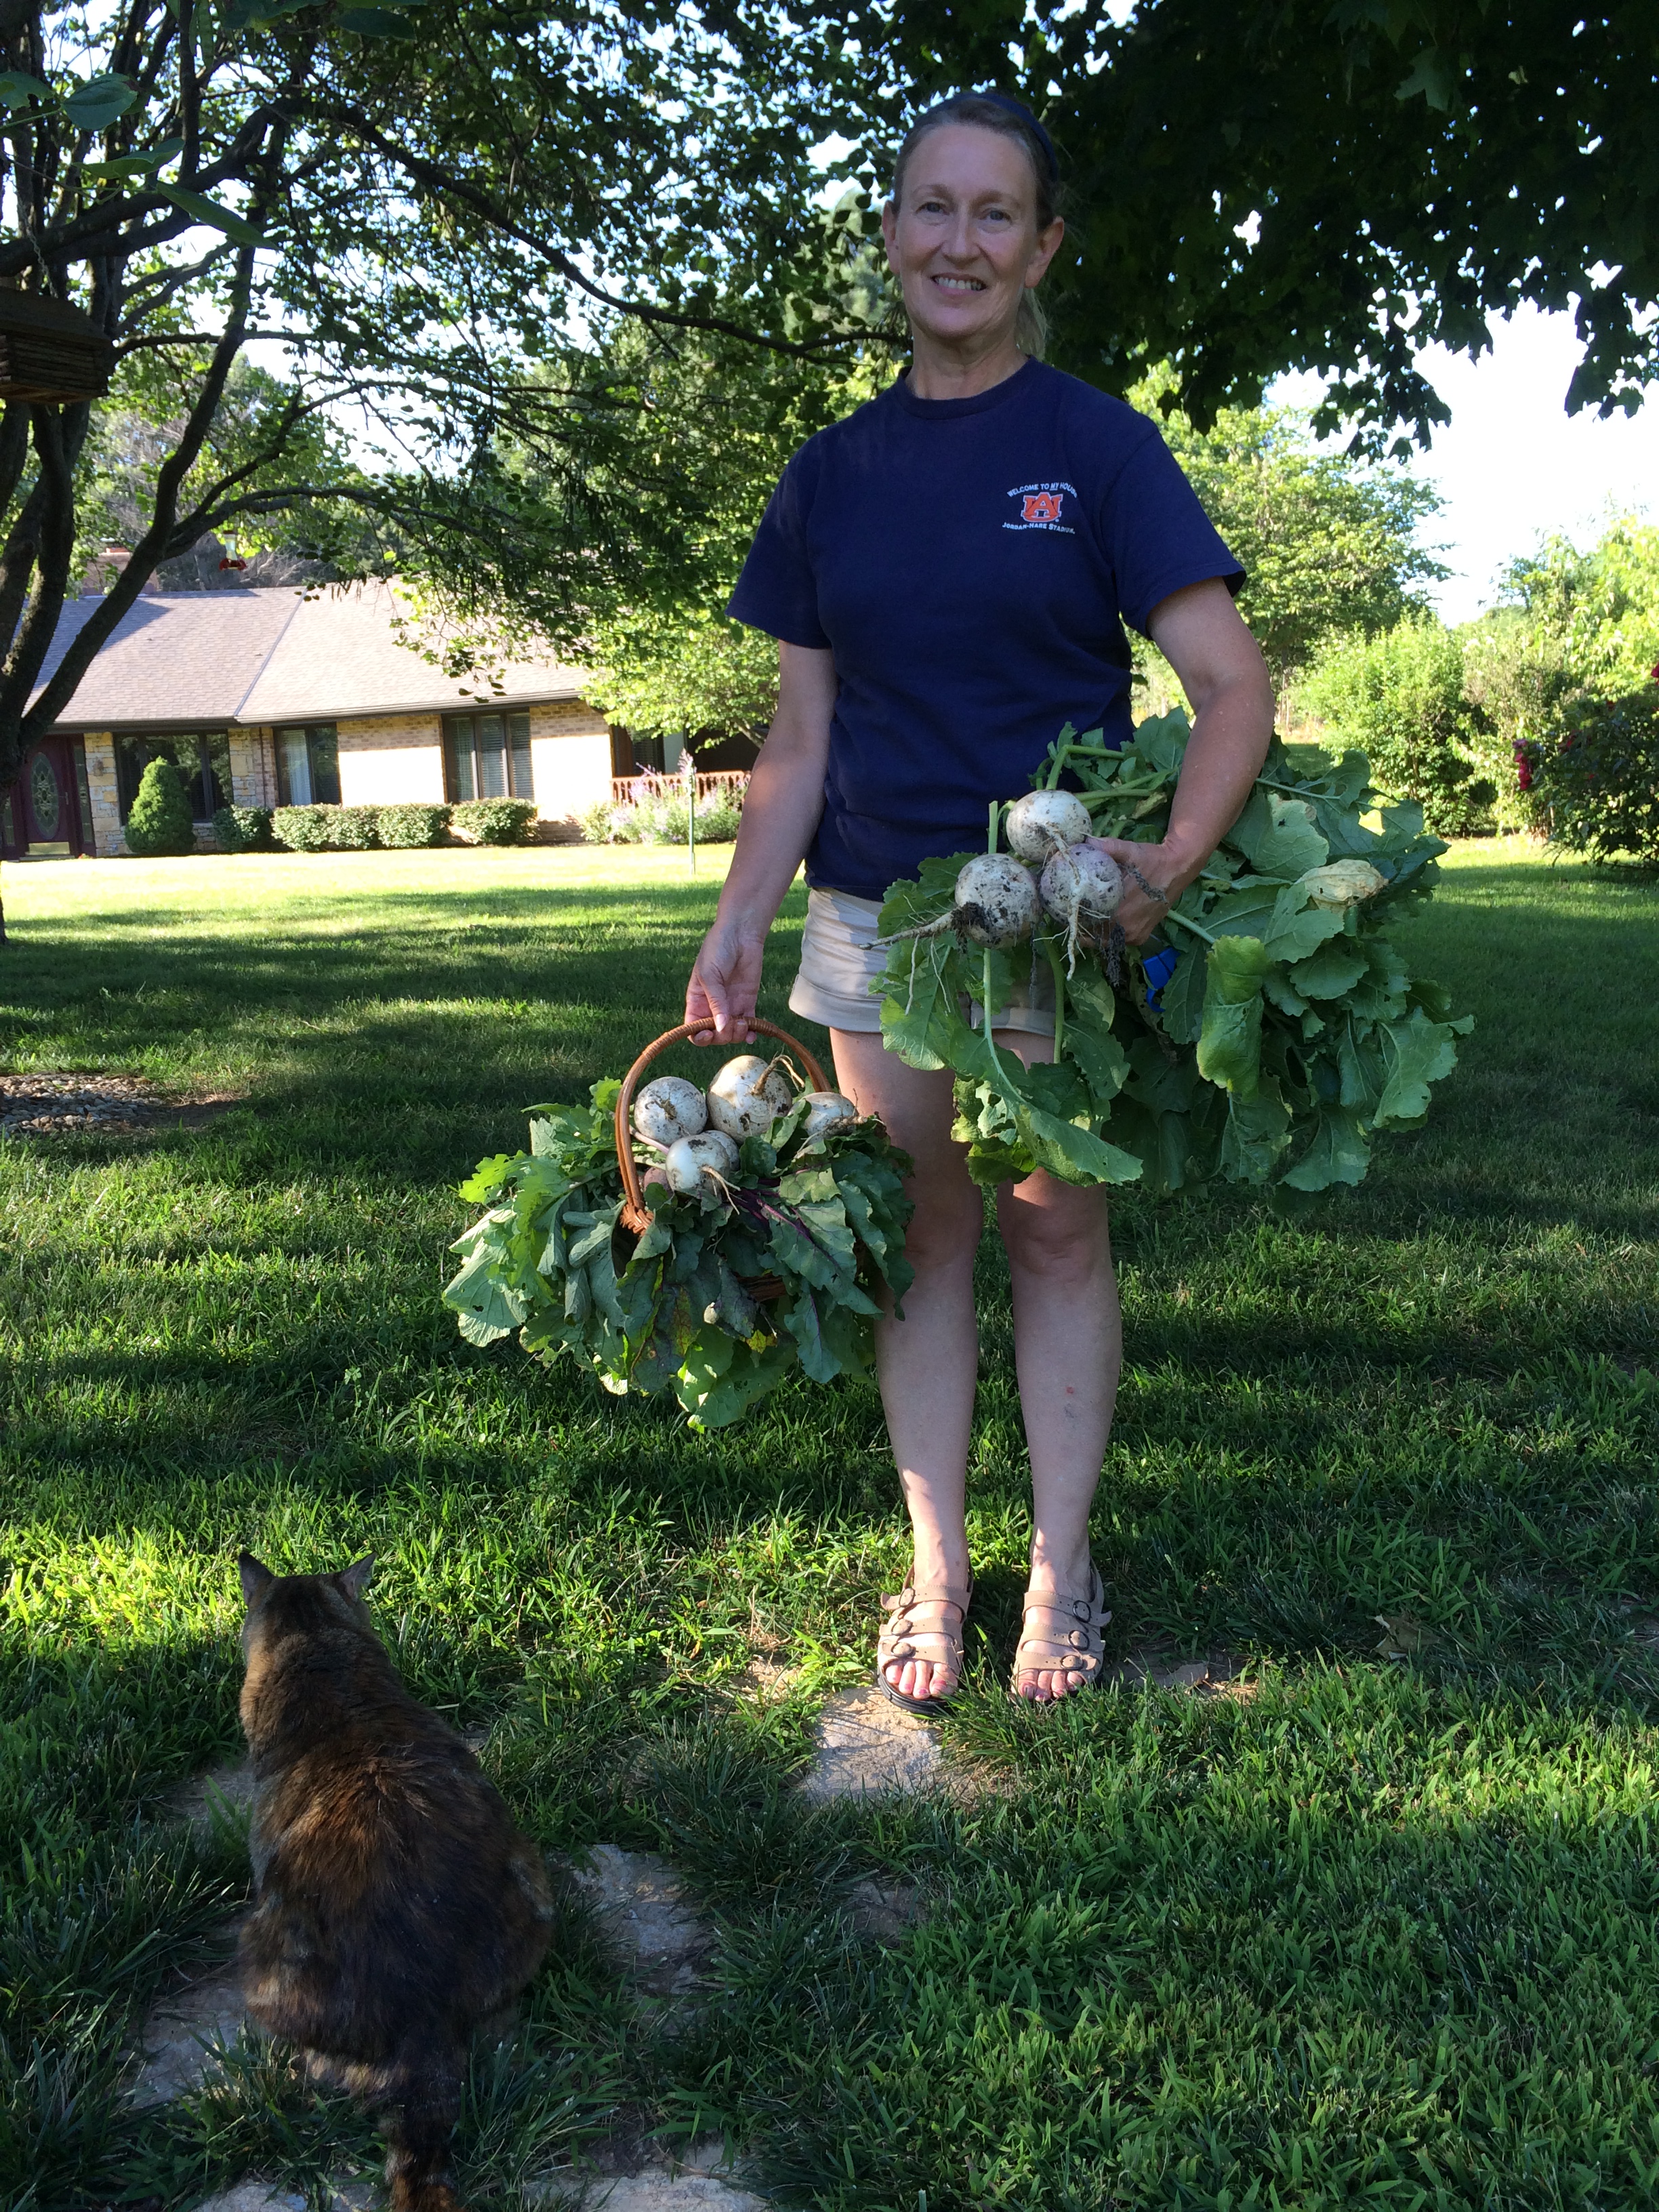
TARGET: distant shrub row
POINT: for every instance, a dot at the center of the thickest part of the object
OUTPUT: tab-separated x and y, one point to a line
660	821
363	829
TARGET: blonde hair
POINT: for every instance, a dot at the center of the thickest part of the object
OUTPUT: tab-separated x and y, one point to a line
1009	118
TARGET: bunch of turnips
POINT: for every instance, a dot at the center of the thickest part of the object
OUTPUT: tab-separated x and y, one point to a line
1264	1038
769	1217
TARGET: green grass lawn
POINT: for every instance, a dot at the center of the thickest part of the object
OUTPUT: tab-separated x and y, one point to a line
1378	1931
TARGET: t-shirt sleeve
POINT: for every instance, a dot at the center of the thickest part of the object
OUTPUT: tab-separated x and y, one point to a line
1158	536
777	591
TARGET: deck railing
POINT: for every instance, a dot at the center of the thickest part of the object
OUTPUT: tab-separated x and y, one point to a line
651	789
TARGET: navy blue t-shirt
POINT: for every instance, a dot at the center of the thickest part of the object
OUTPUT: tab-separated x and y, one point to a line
970	563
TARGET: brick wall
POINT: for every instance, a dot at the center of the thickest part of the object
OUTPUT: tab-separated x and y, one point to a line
570	759
104	828
392	760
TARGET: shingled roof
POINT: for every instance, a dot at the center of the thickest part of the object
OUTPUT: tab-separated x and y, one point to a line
190	660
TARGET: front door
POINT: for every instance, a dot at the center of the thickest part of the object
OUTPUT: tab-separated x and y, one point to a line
45	797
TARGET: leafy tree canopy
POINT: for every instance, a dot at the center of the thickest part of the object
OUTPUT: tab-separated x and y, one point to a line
1261	185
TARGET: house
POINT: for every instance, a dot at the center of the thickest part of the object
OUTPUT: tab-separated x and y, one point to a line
294	696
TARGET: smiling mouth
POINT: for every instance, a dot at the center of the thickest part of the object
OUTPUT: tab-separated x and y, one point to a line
958	283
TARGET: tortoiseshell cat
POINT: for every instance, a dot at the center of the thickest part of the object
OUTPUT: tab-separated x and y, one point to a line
397	1905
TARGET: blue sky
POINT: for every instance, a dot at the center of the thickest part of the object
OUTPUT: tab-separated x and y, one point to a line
1512	466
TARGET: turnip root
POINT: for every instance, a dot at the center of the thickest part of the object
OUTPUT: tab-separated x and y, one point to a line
826	1109
668	1109
1080	886
996	905
747	1096
710	1153
1343	883
1045	822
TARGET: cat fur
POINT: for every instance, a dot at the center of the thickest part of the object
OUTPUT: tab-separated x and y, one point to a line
396	1905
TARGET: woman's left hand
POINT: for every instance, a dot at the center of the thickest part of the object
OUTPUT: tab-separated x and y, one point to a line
1140	913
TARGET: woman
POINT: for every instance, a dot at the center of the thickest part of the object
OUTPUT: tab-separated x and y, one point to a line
945	571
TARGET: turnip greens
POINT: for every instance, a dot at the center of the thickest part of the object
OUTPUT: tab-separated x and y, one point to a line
1288	1033
551	1258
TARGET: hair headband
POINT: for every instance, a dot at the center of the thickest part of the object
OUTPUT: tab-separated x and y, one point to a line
1006	101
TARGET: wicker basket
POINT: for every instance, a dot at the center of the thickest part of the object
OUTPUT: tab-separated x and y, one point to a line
636	1214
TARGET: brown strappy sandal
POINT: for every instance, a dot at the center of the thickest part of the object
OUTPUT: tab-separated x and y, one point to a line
901	1639
1075	1647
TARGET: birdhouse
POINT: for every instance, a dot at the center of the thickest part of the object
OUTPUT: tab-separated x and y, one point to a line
50	352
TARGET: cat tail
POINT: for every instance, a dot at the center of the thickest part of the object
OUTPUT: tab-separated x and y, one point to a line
417	2122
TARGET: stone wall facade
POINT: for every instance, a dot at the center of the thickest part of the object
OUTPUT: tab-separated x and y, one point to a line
104	831
252	769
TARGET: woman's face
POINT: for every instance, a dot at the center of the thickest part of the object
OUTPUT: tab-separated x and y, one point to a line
962	238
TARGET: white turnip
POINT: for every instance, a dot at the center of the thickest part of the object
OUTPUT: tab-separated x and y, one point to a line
826	1109
668	1109
996	901
710	1153
1045	822
1343	883
747	1096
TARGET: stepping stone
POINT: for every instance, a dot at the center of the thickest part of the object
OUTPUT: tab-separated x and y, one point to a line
691	2184
644	1906
262	2197
866	1745
179	2037
228	1788
885	1912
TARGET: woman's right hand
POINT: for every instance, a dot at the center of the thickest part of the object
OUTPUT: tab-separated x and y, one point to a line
725	983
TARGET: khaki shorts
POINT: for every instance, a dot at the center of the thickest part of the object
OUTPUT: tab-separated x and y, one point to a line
840	960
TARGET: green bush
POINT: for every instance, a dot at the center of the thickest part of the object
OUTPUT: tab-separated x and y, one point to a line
356	829
405	826
159	823
1597	783
304	828
493	821
660	822
1399	698
599	823
243	828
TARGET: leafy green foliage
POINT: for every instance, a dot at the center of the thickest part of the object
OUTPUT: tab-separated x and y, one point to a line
549	1259
1400	697
1286	183
413	825
493	821
304	828
1288	1035
243	828
1598	782
356	829
687	669
160	821
1330	543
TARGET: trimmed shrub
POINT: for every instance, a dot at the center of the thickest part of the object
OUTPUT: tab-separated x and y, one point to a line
159	823
1598	784
356	829
1399	697
243	828
403	826
599	823
493	821
304	828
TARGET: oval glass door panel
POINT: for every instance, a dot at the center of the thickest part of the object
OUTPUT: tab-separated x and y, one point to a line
45	802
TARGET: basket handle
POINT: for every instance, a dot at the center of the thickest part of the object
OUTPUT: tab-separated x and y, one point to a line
636	1214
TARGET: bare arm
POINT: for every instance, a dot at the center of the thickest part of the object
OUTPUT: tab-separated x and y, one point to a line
781	812
1202	635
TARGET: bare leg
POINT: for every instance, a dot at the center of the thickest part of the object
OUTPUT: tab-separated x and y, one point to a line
1069	1349
927	1364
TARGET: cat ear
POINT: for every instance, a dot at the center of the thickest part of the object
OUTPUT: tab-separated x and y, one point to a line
354	1578
256	1579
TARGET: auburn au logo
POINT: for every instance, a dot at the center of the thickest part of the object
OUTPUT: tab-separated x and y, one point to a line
1041	507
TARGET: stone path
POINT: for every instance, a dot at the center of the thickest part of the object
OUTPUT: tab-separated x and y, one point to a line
260	2197
184	2026
693	2183
1215	1676
642	1906
865	1744
48	1105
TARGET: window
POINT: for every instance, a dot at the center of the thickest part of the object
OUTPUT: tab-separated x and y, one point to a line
201	756
308	765
487	756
